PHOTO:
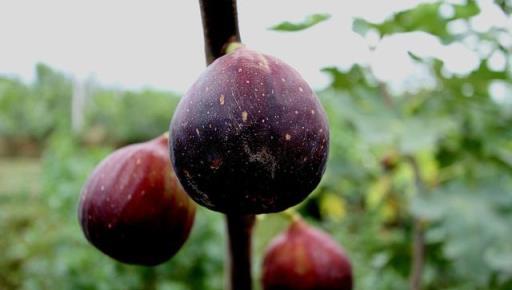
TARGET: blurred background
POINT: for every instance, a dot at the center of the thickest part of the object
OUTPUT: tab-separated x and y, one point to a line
419	100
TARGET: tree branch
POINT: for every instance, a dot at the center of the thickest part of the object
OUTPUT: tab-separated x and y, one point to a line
239	230
220	26
418	250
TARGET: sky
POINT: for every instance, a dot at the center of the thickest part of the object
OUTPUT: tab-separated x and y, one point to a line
159	43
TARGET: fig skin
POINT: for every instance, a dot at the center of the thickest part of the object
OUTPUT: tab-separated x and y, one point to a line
304	258
133	208
250	136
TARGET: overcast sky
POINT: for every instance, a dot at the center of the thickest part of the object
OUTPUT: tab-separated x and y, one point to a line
158	43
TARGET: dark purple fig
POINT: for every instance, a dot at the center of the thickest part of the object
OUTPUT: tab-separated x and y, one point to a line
250	136
133	208
304	258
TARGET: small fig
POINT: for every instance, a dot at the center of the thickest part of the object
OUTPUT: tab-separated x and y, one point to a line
133	208
250	136
304	258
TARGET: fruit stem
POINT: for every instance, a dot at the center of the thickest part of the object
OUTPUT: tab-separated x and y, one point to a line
239	230
232	46
292	215
220	26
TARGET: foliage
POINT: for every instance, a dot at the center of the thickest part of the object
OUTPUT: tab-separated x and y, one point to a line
308	22
111	115
425	17
45	248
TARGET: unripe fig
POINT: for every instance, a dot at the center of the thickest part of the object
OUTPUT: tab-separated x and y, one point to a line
250	136
304	258
133	208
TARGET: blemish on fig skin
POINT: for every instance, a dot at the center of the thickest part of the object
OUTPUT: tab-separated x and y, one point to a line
288	137
102	188
197	132
215	164
300	89
221	100
244	116
312	112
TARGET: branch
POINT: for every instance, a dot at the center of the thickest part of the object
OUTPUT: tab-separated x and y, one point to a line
220	26
418	254
418	232
239	260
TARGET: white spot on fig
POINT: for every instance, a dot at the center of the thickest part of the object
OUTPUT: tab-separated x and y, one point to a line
300	89
221	100
102	188
283	80
137	161
296	112
109	225
287	137
240	70
244	116
312	112
197	132
247	81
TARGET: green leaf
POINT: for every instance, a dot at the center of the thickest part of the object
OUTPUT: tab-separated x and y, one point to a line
308	22
361	26
424	17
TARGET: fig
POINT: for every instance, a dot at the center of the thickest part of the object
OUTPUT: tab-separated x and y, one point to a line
304	258
133	208
250	136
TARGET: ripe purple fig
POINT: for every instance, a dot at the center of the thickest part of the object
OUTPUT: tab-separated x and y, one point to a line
250	136
304	258
133	208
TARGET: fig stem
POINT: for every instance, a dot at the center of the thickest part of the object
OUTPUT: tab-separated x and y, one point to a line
239	230
220	26
292	215
232	46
